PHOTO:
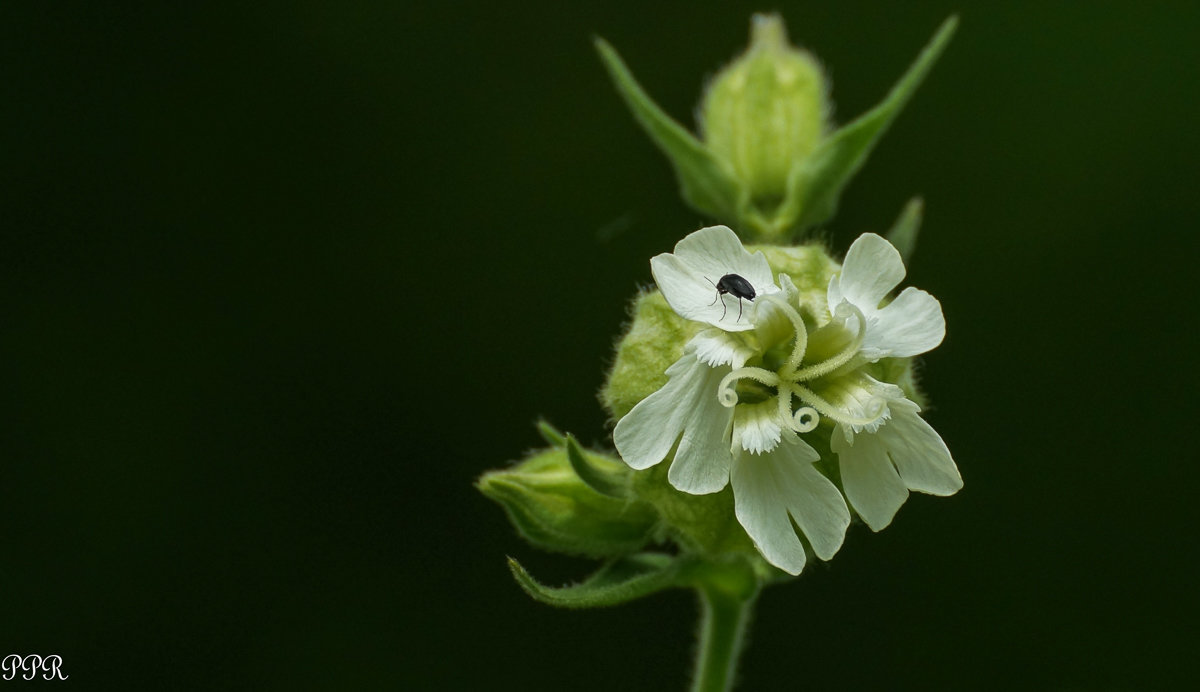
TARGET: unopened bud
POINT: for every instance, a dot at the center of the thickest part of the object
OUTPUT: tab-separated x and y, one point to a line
766	110
553	508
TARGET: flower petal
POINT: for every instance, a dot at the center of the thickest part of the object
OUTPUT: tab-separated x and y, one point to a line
767	488
702	460
908	326
872	268
756	427
715	348
921	457
688	278
718	249
645	435
872	485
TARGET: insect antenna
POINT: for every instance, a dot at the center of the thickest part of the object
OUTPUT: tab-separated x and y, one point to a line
718	294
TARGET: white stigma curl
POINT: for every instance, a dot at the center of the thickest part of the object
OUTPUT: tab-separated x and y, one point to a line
789	380
805	419
727	392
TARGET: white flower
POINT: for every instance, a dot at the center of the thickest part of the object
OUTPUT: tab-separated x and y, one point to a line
754	443
730	401
899	450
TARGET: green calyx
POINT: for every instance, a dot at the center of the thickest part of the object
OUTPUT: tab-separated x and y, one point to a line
700	524
655	339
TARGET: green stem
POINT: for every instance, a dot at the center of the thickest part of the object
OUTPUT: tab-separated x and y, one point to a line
725	617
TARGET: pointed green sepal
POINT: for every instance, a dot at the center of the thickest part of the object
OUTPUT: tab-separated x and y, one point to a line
903	235
617	582
603	477
553	436
815	185
554	509
707	182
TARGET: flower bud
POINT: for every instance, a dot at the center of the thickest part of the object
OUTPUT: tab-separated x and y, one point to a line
553	508
766	111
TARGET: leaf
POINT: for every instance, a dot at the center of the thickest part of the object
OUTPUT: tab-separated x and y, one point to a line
602	482
707	182
617	582
903	235
815	185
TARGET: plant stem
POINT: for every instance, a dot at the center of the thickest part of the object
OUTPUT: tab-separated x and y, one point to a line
724	619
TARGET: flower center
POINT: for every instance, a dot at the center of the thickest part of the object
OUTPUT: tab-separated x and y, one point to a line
794	379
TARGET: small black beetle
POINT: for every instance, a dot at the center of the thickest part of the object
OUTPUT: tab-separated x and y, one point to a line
735	285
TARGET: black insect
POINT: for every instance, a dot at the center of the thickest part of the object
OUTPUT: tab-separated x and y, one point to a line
735	285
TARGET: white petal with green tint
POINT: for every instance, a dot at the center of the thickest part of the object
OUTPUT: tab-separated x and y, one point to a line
921	457
770	487
715	347
702	460
872	268
860	401
686	407
909	325
873	487
757	427
688	278
879	469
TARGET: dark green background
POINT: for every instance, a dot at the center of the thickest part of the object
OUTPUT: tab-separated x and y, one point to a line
279	281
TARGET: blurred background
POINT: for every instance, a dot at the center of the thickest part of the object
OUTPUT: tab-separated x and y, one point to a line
280	280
